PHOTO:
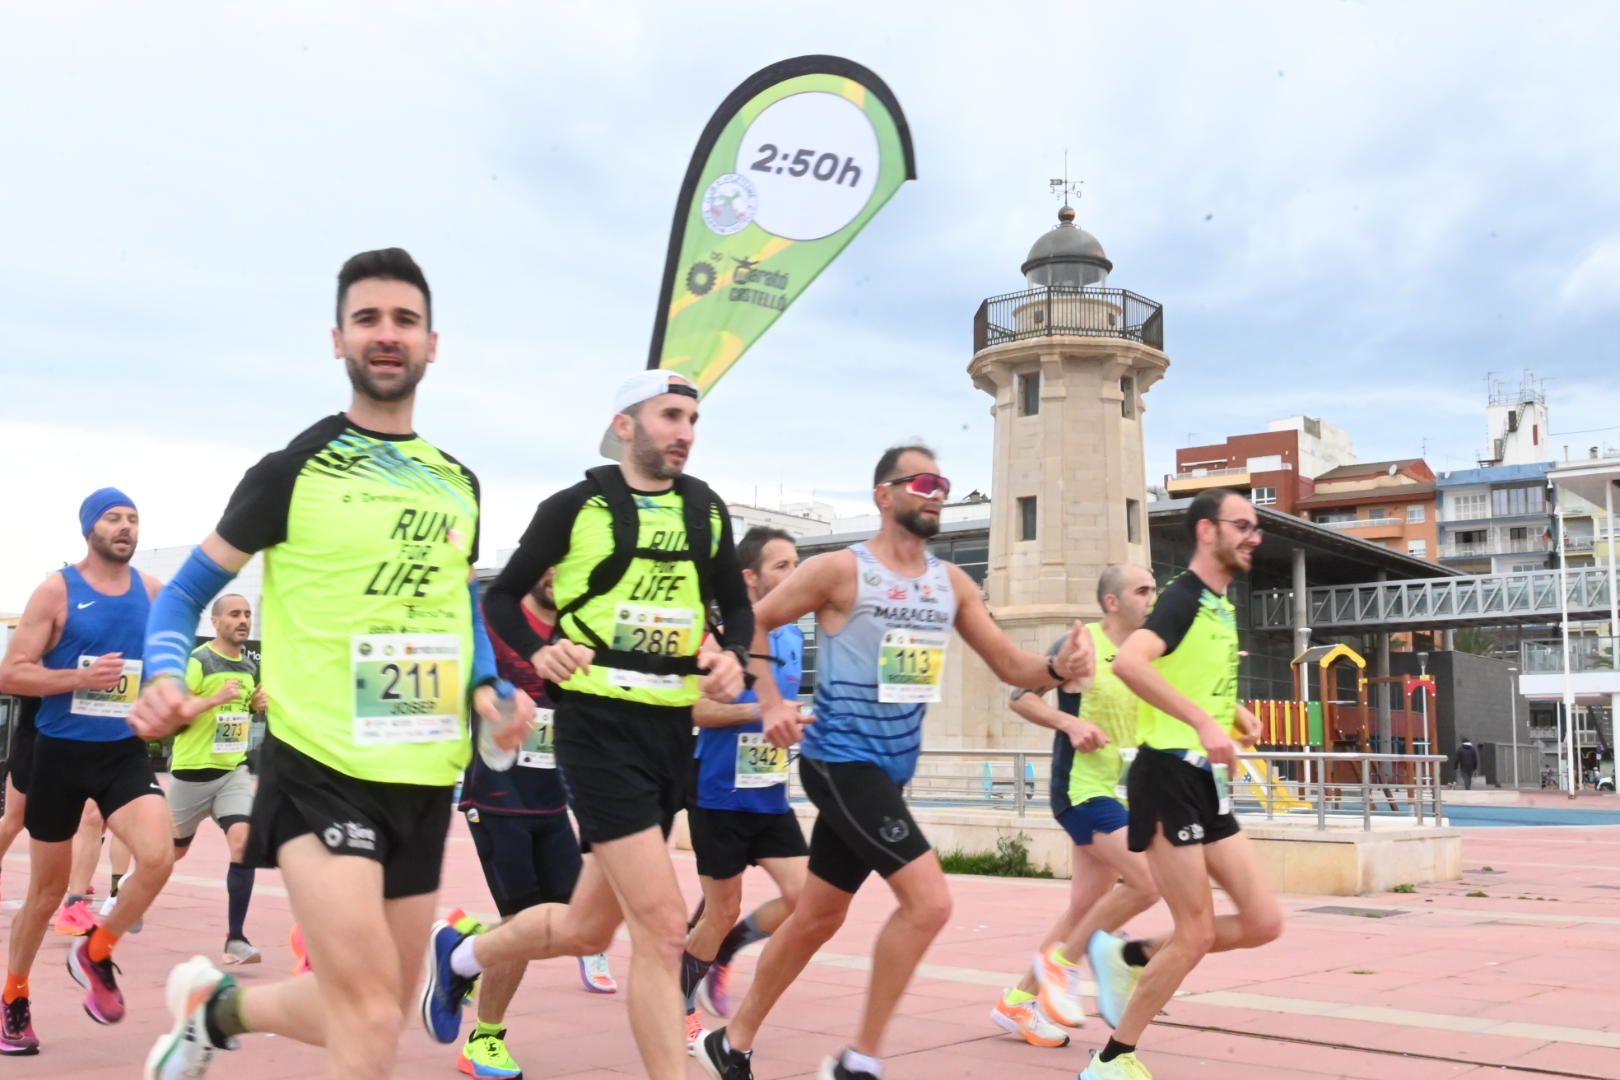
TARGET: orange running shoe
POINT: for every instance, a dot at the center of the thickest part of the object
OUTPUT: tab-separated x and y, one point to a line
1027	1020
295	938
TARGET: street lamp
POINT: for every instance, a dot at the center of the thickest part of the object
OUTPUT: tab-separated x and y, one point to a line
1513	721
1423	696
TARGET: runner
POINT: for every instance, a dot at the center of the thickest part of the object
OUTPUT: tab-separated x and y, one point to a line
519	823
78	647
884	611
369	534
18	766
740	816
640	549
209	763
1183	665
1090	731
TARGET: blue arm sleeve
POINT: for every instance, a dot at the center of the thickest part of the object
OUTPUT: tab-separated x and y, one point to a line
483	669
171	625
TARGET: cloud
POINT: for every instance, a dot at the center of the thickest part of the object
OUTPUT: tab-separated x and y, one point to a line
1593	286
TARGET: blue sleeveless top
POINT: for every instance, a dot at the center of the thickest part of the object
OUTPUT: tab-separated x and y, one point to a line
97	624
876	676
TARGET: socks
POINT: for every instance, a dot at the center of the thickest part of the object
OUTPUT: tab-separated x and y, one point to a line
463	961
101	944
239	890
1135	954
741	936
692	972
1061	957
1114	1049
72	898
116	878
725	1045
223	1013
16	987
485	1028
860	1063
1015	997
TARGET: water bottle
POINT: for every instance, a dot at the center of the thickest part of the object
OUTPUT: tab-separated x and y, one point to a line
493	756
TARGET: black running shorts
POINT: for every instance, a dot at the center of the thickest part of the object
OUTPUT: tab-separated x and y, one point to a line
401	826
68	771
23	734
1162	789
528	859
623	764
727	842
862	822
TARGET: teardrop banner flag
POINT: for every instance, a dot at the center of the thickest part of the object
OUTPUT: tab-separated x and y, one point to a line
792	165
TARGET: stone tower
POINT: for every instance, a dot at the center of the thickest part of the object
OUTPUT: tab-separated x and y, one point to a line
1068	361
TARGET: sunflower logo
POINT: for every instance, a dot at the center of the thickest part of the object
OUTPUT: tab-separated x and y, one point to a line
700	279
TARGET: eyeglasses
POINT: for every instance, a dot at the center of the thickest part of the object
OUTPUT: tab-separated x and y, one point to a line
1243	526
924	485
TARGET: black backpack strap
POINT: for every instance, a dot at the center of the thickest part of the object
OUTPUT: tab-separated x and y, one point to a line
697	504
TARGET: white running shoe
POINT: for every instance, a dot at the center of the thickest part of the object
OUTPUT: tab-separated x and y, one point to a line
1059	994
238	951
1116	980
107	907
187	1051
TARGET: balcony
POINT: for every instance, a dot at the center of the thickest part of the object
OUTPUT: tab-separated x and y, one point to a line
1544	656
1057	311
1385	528
1496	545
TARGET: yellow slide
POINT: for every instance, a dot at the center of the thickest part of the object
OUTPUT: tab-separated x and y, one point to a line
1257	782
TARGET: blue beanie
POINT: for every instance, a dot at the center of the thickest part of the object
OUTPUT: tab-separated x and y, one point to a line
98	502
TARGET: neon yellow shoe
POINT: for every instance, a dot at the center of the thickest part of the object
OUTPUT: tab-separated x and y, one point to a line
485	1056
1123	1067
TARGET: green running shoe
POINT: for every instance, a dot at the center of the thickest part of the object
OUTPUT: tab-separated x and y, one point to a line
485	1056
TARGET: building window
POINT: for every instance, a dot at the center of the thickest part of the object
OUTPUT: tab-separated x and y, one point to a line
1518	534
1468	507
1516	501
1417	514
1029	393
1026	518
1377	513
1127	399
1418	549
1133	521
1264	496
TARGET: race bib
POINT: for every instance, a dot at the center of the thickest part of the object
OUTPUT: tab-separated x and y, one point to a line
656	631
119	701
1127	754
539	749
408	688
1223	787
911	664
231	732
759	764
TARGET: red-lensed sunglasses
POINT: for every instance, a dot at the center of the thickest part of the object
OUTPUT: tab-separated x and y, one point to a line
924	485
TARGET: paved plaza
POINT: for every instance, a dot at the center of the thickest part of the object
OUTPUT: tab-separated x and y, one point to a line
1512	972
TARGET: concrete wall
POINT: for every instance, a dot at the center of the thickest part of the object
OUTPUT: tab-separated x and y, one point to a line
1472	694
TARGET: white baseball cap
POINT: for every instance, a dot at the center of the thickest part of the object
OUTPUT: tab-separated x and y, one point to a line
643	386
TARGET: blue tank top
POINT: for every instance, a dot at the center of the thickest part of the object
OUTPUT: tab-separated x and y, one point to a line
718	748
97	624
876	676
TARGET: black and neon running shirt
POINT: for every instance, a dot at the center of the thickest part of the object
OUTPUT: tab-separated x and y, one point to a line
368	544
217	741
656	607
1199	629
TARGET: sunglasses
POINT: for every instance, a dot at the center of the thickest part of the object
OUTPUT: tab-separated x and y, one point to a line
924	485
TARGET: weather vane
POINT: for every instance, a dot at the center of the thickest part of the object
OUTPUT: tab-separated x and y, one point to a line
1062	187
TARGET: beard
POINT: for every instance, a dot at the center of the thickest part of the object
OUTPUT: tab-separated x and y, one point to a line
1231	559
361	378
918	525
103	546
649	457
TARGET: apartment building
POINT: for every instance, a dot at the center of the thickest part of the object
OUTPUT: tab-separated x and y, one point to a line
1392	503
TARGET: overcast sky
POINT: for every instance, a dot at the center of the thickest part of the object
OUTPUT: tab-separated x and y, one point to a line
1348	210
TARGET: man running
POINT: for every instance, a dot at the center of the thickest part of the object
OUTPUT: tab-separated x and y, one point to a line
1090	731
740	815
78	647
519	823
641	550
1183	665
18	767
884	611
209	765
369	534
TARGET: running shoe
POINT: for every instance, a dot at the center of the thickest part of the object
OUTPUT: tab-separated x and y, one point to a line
300	951
239	951
712	997
720	1063
446	992
594	973
75	919
1059	995
1123	1067
107	907
1030	1022
188	1049
17	1038
833	1069
103	1000
486	1057
1116	980
694	1033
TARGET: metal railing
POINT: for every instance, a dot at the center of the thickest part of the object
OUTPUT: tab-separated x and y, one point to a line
1544	656
1484	599
1060	311
1291	784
